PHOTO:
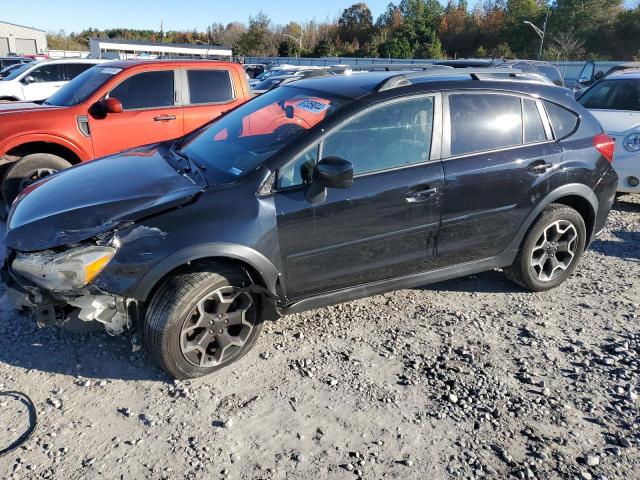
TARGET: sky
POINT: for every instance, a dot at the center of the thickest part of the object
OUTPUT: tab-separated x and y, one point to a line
54	15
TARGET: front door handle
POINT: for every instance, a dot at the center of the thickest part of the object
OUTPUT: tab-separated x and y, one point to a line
164	118
539	167
421	194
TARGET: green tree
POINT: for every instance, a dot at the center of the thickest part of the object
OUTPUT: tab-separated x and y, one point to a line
288	48
253	41
356	24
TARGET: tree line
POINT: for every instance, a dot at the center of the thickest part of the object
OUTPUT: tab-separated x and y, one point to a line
575	29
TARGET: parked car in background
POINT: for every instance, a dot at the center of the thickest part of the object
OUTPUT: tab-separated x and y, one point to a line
589	74
36	81
315	193
112	107
281	70
254	69
8	69
534	66
615	102
13	60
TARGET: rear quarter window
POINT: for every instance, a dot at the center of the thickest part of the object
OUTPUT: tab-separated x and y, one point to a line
563	122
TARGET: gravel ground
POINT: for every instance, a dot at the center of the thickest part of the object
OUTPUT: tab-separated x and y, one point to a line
471	378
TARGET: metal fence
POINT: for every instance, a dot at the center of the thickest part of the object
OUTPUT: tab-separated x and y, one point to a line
569	70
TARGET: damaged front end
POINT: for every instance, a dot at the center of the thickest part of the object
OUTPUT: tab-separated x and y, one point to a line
55	287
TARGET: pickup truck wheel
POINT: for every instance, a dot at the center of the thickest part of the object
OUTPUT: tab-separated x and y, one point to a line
551	249
200	321
30	169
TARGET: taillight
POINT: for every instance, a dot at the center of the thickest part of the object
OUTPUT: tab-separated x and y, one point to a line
605	145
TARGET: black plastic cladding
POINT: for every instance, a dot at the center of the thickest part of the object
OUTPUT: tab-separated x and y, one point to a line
292	246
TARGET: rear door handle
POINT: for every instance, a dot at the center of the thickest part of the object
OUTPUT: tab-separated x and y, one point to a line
539	167
164	118
421	194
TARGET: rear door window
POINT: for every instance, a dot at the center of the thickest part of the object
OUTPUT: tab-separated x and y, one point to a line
146	90
533	126
72	70
482	122
563	121
209	86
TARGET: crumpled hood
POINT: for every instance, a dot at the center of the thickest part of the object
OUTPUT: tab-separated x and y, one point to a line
96	197
15	107
617	122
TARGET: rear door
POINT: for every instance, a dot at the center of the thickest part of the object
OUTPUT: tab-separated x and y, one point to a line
207	94
152	112
385	225
499	156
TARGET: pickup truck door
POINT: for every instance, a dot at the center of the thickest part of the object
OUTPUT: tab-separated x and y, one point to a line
208	93
152	112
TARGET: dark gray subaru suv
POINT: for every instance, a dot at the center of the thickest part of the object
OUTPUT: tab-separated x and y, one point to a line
315	193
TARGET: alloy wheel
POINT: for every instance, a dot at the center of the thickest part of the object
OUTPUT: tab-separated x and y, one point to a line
217	327
554	250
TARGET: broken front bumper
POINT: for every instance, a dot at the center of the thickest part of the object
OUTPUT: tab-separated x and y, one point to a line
115	314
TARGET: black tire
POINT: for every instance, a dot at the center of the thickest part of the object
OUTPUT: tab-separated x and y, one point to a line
172	308
523	272
22	172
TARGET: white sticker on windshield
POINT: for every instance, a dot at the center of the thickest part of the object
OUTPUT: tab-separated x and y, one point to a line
111	70
312	106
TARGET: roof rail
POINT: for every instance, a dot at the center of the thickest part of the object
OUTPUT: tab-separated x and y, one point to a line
404	79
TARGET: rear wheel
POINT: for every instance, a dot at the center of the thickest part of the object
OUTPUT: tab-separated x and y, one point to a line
30	169
551	250
201	321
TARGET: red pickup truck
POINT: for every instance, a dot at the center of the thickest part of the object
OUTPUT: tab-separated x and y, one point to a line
112	107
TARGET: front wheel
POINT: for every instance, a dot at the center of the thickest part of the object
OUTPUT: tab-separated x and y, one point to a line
200	321
30	169
551	250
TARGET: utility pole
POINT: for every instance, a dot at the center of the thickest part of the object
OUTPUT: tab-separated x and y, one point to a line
541	33
161	32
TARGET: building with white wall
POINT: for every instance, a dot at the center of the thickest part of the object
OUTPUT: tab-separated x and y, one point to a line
127	49
21	40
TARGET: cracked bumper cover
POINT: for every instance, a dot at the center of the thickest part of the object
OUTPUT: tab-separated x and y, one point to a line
116	314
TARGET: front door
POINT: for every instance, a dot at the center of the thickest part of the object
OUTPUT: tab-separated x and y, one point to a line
151	113
386	224
43	81
498	159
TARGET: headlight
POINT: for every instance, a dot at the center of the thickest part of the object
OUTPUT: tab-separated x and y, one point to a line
632	142
69	270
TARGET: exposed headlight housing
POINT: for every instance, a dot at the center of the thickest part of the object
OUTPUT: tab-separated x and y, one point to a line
70	270
632	142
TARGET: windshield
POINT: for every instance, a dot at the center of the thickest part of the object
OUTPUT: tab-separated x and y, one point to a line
82	87
623	94
18	71
247	136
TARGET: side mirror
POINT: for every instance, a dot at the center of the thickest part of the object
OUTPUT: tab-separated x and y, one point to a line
599	75
330	172
113	105
28	80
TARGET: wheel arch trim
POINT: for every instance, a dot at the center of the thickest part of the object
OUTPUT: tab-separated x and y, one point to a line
22	140
568	190
229	251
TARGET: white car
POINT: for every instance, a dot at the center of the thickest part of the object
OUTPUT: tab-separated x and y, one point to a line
39	80
615	102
